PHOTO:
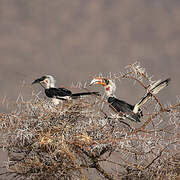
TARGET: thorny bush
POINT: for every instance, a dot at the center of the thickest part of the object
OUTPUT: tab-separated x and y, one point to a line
81	137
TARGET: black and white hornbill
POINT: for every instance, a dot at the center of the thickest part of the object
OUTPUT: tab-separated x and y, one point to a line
58	94
132	112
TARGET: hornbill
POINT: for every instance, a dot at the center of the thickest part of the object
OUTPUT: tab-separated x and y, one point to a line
132	112
58	94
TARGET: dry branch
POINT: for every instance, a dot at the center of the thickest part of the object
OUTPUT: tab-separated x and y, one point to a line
44	141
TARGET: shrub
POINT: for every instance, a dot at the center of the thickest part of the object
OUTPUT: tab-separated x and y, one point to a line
44	141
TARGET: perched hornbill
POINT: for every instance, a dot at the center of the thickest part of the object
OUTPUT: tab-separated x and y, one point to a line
58	94
132	112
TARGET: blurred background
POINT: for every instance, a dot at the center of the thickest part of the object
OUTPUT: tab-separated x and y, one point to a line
74	40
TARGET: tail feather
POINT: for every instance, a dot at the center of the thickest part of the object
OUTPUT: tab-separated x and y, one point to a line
152	90
78	95
160	85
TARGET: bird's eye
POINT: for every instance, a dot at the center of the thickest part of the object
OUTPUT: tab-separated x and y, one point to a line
106	81
46	81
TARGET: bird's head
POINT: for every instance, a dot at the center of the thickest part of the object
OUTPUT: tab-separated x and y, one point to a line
46	81
108	84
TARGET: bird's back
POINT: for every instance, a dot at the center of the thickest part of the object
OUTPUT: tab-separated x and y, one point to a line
57	92
124	107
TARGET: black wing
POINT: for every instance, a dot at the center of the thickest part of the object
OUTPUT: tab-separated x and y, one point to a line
57	92
124	107
120	105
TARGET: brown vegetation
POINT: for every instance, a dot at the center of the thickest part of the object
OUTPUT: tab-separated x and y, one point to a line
66	141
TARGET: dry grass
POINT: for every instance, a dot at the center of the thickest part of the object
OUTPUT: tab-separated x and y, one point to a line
65	141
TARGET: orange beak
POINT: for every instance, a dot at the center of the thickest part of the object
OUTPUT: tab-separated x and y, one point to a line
98	81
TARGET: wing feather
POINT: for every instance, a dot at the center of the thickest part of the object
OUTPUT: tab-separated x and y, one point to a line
57	92
124	108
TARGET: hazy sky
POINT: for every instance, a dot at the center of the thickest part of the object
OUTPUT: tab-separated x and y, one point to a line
76	39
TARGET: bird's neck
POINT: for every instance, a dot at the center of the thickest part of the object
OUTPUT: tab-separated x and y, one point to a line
50	85
109	90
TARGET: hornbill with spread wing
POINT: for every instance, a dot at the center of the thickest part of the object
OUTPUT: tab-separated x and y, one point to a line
58	94
132	112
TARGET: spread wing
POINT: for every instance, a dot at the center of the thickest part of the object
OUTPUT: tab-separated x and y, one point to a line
58	93
124	108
